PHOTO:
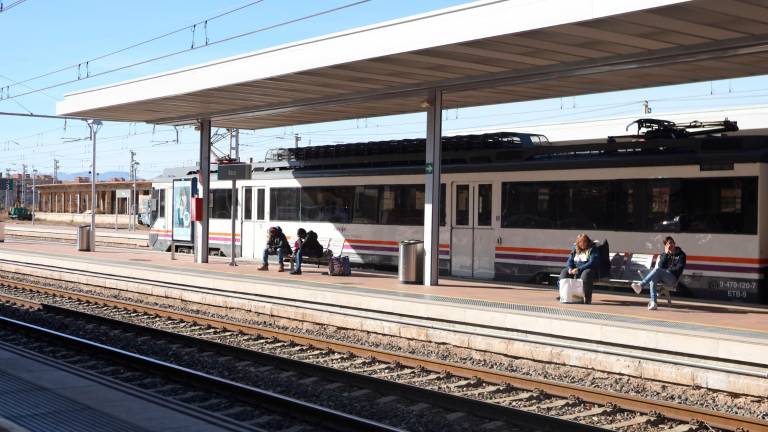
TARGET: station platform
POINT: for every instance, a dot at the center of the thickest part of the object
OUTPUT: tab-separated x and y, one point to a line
43	395
710	345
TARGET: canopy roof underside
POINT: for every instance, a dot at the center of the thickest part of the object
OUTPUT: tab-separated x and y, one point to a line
482	53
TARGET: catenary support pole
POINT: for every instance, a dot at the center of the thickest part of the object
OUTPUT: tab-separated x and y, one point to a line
432	187
94	126
201	239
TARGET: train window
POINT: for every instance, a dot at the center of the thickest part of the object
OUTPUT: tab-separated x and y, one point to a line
585	206
327	204
665	206
161	204
366	208
260	204
412	205
221	204
484	204
248	203
401	205
442	204
628	204
462	205
528	205
719	205
284	204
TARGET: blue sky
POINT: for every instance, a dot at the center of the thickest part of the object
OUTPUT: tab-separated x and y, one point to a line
40	36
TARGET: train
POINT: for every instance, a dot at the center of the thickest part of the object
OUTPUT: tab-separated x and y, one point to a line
511	204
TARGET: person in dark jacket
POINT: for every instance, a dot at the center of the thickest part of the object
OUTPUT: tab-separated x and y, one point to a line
668	271
583	264
277	244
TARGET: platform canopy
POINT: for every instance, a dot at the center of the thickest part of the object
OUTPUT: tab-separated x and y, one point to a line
480	53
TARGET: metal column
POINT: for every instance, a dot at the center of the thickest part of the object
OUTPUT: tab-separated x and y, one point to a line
94	126
432	187
201	239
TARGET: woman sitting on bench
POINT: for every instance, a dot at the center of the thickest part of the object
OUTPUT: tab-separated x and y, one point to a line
583	263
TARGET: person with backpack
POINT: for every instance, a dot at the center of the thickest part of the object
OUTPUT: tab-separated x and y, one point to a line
277	244
583	263
306	245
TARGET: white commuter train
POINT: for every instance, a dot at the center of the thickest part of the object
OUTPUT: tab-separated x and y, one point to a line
512	204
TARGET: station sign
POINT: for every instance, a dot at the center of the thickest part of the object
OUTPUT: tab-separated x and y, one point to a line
235	171
122	193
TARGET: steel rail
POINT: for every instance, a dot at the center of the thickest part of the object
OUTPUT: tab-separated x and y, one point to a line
448	401
294	408
633	403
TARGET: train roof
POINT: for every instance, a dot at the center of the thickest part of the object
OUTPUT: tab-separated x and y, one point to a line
504	151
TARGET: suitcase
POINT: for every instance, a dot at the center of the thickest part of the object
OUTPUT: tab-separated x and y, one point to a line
339	266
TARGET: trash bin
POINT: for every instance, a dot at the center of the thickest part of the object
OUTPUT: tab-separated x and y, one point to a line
2	231
410	269
84	238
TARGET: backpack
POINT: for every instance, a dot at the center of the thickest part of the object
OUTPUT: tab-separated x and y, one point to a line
311	247
604	263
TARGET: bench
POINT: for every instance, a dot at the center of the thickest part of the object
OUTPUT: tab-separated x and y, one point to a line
627	267
322	260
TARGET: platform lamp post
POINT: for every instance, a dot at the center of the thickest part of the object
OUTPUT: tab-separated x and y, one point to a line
94	126
34	194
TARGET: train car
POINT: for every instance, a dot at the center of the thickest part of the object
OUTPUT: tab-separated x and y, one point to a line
512	204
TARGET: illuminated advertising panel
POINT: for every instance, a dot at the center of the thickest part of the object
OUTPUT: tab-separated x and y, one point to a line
183	191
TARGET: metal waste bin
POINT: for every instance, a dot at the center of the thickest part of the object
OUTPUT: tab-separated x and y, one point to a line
410	269
2	231
84	238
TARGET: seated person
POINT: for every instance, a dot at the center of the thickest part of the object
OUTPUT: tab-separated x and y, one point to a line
668	271
583	263
278	245
301	236
306	246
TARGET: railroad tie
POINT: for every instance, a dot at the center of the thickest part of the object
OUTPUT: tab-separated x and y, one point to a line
593	411
557	404
634	421
373	368
422	379
515	398
475	392
396	373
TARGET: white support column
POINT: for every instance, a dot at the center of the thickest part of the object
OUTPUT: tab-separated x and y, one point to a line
432	187
201	234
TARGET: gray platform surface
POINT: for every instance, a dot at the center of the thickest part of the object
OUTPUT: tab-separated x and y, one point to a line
41	395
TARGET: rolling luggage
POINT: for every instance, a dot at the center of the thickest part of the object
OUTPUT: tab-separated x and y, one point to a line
339	266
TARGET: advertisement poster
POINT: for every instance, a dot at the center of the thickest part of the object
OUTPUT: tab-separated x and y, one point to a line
183	190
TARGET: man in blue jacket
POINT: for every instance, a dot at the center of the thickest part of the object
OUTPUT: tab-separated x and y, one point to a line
583	263
668	271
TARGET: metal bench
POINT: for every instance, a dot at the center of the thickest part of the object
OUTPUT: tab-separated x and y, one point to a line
627	267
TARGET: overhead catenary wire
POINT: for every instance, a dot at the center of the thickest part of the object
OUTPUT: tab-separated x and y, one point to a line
138	44
5	7
175	53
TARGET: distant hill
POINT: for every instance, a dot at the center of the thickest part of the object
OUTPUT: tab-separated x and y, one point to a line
102	176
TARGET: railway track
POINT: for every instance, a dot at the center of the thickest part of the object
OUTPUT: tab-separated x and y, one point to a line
205	392
461	387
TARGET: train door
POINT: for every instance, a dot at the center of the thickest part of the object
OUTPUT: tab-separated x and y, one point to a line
472	234
246	223
253	228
